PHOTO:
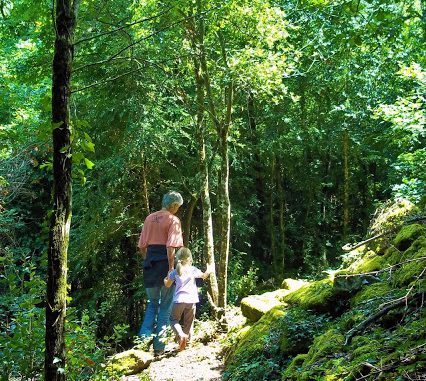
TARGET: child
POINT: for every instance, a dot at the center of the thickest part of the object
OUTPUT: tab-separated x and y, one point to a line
185	296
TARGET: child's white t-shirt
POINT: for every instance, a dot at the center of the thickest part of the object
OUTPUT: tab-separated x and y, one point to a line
186	289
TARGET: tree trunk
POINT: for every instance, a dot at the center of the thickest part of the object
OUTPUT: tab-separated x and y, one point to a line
62	192
345	184
224	212
196	33
145	185
273	245
281	198
224	208
187	219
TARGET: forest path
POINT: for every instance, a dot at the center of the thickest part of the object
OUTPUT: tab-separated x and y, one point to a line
202	360
198	362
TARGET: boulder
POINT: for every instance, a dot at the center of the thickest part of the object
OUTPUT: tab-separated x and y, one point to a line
293	284
129	362
253	307
408	235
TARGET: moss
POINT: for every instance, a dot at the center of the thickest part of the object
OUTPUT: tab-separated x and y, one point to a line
292	284
373	264
253	307
329	343
392	256
391	215
410	271
129	362
377	291
364	348
316	296
295	366
254	339
408	235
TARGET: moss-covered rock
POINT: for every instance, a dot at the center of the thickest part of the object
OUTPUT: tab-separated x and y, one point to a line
129	362
293	284
413	264
347	285
377	292
253	307
327	344
408	235
255	338
316	296
290	374
391	214
374	263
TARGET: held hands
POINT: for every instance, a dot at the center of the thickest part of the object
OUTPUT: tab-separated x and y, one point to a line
167	281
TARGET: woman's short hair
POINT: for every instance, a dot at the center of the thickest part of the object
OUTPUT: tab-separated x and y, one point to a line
171	198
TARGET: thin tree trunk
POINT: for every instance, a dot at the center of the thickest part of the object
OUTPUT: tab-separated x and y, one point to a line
225	204
281	199
187	219
196	33
345	184
225	216
272	212
145	197
62	192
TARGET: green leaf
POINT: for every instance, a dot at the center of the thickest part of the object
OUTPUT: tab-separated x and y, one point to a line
88	146
77	157
89	164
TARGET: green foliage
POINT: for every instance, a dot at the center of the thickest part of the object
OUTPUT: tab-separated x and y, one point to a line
22	320
301	326
242	279
408	119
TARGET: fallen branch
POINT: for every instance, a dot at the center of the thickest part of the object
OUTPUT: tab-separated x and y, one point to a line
379	314
348	247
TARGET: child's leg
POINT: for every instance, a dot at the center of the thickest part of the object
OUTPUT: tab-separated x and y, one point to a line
175	316
188	319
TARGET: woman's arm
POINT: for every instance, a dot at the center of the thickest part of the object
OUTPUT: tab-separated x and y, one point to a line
168	282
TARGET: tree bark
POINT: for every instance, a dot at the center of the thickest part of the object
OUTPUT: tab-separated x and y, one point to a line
345	184
225	217
196	32
281	197
187	219
273	244
225	204
62	192
145	185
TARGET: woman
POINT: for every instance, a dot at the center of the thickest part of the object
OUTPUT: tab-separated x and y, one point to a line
161	235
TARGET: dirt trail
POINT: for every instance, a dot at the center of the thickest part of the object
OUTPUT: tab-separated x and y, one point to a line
198	362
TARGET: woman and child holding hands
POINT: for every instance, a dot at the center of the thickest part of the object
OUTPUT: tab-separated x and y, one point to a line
172	293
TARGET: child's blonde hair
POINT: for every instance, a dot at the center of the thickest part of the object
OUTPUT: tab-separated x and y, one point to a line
184	258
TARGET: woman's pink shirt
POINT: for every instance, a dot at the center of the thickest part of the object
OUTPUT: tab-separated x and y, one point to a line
161	228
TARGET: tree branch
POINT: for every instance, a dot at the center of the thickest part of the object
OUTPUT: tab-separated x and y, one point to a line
382	312
121	27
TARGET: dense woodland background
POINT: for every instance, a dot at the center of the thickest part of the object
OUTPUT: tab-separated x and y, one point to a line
316	107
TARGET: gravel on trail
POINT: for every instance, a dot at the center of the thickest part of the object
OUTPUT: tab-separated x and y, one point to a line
198	362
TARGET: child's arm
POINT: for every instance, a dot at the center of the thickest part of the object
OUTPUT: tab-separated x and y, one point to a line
207	273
